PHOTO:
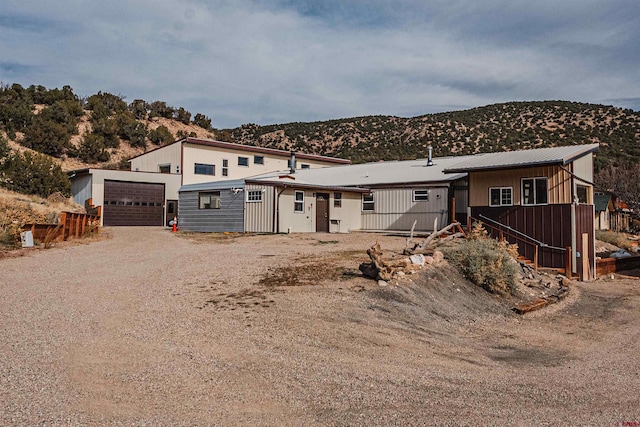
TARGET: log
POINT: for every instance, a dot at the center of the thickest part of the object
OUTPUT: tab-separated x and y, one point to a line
434	239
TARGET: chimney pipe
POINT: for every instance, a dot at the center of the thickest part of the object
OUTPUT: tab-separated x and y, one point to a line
430	159
292	163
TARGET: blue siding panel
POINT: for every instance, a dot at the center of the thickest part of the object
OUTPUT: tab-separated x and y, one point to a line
230	216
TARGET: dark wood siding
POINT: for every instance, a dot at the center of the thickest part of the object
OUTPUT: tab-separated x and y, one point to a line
133	203
230	216
549	224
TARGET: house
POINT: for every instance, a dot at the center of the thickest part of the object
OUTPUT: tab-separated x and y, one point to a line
541	199
148	193
604	208
381	196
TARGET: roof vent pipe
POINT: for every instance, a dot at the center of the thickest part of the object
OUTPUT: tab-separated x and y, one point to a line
292	162
430	159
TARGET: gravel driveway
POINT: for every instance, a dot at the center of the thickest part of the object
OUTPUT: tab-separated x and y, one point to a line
147	327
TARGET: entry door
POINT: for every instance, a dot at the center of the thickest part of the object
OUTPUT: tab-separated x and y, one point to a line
171	211
322	212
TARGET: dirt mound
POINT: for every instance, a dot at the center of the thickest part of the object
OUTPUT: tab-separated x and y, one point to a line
437	297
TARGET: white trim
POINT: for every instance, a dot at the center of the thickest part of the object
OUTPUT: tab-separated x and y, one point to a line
500	198
535	196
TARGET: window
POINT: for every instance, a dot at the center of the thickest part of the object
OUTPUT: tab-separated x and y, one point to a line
243	161
367	202
420	195
209	200
225	167
254	196
258	160
337	200
534	191
582	193
298	204
204	169
165	168
501	196
304	166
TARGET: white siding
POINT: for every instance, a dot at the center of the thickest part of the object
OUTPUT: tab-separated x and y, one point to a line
396	210
259	216
215	155
341	220
151	161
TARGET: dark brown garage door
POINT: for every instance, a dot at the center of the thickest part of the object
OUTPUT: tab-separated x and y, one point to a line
133	203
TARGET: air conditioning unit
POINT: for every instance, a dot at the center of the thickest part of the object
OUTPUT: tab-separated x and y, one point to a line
216	203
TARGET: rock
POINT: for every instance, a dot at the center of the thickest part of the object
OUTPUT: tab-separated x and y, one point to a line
417	259
438	257
382	283
565	281
429	259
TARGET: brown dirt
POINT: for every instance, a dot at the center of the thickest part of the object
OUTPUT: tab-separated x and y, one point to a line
150	328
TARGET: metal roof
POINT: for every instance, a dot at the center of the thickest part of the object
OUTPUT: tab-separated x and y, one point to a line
601	202
250	148
369	174
523	158
214	185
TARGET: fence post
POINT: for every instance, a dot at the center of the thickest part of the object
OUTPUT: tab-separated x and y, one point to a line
535	257
63	222
568	271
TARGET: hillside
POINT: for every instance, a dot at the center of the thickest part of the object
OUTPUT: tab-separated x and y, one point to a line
104	131
509	126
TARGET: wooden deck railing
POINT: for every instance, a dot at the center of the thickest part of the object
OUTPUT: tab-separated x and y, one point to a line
503	232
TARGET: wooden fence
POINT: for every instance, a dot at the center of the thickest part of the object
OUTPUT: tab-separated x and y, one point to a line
70	225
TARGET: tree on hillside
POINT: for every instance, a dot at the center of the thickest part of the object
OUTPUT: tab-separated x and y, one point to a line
33	173
47	136
161	136
92	149
4	148
139	108
182	116
160	109
203	121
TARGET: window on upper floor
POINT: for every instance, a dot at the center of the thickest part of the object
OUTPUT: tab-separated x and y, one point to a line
304	166
225	167
535	191
243	161
501	196
204	169
164	168
258	160
582	193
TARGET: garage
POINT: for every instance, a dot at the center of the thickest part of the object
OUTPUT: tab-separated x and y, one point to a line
133	203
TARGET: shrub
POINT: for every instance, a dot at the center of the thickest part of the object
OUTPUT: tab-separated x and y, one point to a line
92	149
33	173
617	239
486	262
202	121
161	136
47	136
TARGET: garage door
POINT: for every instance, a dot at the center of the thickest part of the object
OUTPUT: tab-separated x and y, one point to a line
133	203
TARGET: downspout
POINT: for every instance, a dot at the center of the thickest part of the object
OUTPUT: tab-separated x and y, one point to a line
276	216
574	237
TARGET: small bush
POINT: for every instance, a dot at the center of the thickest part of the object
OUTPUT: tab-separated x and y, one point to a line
620	240
485	262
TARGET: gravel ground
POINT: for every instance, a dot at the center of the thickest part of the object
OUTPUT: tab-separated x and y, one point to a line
148	327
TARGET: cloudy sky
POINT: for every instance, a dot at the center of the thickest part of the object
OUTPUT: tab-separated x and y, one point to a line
278	61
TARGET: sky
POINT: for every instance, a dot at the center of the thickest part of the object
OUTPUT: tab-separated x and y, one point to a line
281	61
